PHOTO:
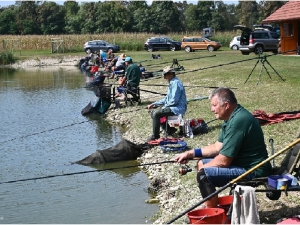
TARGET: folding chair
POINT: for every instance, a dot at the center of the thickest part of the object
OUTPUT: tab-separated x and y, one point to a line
134	92
290	164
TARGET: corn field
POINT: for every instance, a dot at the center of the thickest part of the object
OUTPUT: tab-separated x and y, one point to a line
74	43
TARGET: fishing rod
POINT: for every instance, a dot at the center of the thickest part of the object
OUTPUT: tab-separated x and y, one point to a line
235	180
181	60
165	85
83	172
217	65
153	92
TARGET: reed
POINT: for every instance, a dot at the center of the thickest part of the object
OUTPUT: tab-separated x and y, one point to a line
6	58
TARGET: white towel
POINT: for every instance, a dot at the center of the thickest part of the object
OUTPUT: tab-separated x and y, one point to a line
244	208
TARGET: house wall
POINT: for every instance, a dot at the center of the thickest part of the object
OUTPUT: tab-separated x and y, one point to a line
289	36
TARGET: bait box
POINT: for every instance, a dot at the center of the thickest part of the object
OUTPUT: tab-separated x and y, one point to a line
273	180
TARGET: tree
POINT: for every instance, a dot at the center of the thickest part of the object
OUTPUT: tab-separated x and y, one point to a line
72	20
87	14
26	18
139	14
247	13
7	20
51	18
266	8
165	17
112	17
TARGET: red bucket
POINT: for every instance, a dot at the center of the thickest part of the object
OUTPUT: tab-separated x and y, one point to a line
206	216
224	202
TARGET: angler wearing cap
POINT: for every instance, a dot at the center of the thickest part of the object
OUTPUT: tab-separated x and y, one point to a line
132	77
173	104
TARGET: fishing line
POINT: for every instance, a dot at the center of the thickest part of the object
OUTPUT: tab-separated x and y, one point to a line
83	172
46	131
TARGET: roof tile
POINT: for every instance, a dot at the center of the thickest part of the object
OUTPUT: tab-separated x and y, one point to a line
289	11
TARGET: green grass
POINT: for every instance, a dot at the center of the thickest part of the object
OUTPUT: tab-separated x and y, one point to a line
271	94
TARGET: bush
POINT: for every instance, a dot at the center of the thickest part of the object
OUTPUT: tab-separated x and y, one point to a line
6	58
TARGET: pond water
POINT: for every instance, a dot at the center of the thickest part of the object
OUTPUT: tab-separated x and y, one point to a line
42	132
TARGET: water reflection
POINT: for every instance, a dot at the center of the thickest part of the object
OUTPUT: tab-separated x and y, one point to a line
42	131
125	169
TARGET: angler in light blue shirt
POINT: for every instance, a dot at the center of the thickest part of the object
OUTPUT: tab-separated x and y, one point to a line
173	104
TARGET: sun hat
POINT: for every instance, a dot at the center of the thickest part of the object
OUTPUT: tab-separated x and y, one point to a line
123	56
128	59
168	69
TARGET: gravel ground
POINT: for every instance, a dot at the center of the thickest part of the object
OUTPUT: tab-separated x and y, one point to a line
174	193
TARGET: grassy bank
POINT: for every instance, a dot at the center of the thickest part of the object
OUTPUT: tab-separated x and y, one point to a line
260	92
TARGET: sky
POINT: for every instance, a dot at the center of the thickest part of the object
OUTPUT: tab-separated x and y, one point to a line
7	3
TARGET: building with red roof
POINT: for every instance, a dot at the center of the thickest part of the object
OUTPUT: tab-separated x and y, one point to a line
288	16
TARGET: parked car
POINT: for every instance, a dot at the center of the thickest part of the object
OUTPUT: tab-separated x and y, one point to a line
258	41
235	43
190	44
161	43
97	45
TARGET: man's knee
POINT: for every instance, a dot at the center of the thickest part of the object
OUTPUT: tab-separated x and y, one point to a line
206	188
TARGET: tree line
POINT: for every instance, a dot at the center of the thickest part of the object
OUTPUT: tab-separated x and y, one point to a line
161	17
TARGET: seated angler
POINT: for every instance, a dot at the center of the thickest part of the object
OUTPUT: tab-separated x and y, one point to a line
173	104
240	147
131	80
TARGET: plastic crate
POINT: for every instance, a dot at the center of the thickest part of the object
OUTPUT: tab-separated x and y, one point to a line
272	180
175	121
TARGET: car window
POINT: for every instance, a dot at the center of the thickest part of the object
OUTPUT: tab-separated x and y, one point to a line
153	40
92	43
170	40
162	40
188	40
238	38
198	39
275	35
206	39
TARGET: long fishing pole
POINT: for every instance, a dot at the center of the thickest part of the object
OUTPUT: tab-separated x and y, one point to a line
83	172
181	60
166	85
235	180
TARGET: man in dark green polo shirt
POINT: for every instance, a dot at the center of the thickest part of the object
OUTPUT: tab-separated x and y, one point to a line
131	79
240	146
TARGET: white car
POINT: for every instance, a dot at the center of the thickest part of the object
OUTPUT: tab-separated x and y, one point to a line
235	43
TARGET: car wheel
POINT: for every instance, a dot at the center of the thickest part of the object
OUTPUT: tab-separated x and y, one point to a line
188	49
259	50
210	48
245	53
88	50
150	49
172	48
235	47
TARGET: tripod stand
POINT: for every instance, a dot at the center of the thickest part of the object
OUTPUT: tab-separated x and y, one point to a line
263	59
175	63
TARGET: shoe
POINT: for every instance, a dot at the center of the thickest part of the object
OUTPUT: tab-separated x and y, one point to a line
153	138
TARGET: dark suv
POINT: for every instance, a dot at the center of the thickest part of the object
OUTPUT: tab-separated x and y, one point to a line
161	43
258	41
97	45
